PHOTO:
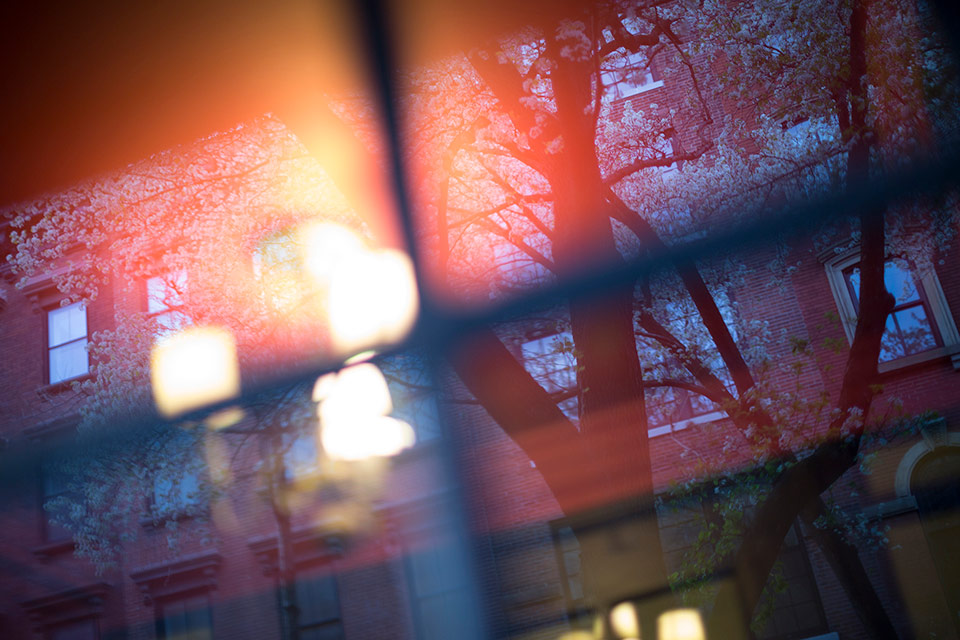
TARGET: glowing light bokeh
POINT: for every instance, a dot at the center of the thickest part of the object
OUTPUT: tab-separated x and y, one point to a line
353	409
373	299
680	624
577	635
366	437
192	368
624	620
360	390
225	418
324	386
325	246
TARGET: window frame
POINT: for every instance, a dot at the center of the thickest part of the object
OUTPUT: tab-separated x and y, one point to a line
184	597
930	292
194	467
324	572
616	87
46	522
49	349
158	315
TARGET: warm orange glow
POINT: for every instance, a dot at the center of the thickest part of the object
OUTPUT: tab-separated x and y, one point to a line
680	624
225	418
192	368
624	620
373	300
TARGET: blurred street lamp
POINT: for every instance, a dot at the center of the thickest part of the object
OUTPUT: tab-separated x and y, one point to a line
353	409
680	624
193	368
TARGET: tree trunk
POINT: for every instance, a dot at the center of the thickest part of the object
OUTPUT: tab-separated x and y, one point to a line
847	566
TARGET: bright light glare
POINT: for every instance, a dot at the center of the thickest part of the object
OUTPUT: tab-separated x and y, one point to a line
326	246
353	414
192	368
225	418
624	620
373	299
366	437
680	624
324	386
360	390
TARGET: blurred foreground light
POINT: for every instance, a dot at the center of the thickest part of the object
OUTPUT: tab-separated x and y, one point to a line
366	437
324	386
225	418
373	299
624	620
577	635
354	404
325	247
357	391
195	367
680	624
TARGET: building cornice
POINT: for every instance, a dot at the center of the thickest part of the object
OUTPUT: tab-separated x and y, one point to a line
196	572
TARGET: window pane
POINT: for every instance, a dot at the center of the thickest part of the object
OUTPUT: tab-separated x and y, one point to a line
915	330
174	494
172	321
317	599
166	292
68	361
66	324
890	345
900	283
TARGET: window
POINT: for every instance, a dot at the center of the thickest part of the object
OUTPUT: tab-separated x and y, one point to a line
439	590
67	342
177	486
87	629
300	455
920	326
550	360
319	604
165	301
175	491
54	483
627	74
671	406
185	618
567	548
413	393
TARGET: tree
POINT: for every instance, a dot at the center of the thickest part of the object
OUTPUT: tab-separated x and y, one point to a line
541	165
538	163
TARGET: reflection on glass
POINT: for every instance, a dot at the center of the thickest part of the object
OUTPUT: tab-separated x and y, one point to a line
909	328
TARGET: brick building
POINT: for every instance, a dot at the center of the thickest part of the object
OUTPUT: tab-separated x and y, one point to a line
463	535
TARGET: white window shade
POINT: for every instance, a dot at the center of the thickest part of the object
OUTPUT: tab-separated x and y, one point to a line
67	342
